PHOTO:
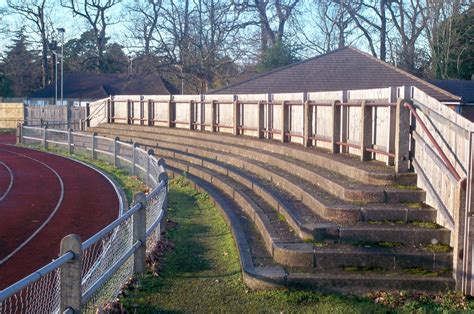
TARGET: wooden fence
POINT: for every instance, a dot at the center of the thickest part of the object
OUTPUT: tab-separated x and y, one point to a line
62	117
263	115
10	115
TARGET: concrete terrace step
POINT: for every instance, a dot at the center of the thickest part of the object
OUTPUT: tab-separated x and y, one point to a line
343	187
260	271
312	195
350	166
275	231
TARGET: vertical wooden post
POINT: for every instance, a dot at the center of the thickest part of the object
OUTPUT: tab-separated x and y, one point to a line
139	234
402	137
191	115
336	127
129	117
19	133
260	119
150	112
112	111
344	122
236	117
392	120
70	279
88	113
307	124
202	113
458	234
170	113
213	115
108	111
365	131
284	121
142	112
270	106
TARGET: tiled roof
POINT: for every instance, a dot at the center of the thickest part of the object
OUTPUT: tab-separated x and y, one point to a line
461	88
96	86
343	69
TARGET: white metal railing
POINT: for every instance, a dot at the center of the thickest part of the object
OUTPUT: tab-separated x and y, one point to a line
112	255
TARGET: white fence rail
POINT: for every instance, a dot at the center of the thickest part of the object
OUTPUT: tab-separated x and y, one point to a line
87	275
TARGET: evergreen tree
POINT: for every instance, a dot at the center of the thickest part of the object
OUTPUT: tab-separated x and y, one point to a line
22	68
280	54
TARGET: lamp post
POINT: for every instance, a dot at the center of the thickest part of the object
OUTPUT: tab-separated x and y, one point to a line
62	30
55	78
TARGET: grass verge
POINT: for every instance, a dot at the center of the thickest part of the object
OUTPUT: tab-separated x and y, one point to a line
202	274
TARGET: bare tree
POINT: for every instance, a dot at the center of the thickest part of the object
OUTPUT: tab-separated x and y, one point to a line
369	16
95	12
446	44
37	13
144	17
410	21
333	26
272	12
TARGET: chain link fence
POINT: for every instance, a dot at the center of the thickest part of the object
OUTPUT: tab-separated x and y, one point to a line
109	258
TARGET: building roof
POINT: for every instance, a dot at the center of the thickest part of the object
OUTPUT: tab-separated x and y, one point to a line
97	86
343	69
462	88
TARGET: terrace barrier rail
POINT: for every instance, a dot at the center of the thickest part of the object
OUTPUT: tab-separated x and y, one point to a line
87	275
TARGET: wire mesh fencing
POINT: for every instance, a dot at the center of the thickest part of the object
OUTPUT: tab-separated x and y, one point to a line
108	259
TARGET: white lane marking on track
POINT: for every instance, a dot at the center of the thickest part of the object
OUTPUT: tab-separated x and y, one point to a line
49	217
11	180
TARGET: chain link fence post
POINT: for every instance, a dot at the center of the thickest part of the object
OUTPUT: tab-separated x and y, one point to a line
139	234
150	152
45	141
134	159
70	280
69	141
116	151
94	145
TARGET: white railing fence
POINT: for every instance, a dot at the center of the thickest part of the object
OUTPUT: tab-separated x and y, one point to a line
89	274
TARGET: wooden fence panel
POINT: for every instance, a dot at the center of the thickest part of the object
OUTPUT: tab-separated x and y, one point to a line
11	114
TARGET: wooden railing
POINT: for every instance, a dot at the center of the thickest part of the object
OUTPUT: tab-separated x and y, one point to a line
301	117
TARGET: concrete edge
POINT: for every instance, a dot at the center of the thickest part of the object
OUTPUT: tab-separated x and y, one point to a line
256	278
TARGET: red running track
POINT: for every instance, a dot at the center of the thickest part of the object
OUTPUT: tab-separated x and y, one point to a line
62	195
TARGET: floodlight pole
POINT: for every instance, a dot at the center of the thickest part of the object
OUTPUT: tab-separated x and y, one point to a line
62	30
55	78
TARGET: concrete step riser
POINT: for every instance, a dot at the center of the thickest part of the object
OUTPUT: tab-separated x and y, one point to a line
353	284
321	209
303	255
288	150
409	237
377	196
389	261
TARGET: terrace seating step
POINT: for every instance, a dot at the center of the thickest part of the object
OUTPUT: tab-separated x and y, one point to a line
372	172
284	239
260	270
366	211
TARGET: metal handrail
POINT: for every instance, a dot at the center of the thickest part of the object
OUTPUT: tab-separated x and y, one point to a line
442	155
